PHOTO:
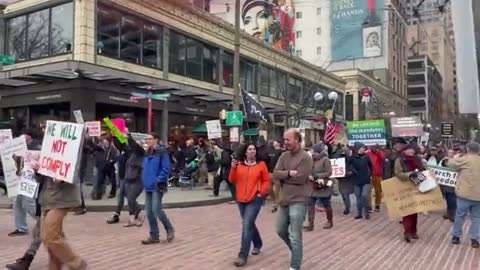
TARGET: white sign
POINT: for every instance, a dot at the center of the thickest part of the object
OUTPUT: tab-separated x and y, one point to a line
444	176
372	41
94	128
214	129
60	150
338	167
28	186
12	153
5	135
234	134
78	116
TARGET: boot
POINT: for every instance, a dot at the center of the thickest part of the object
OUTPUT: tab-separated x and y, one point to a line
131	222
311	218
329	223
22	263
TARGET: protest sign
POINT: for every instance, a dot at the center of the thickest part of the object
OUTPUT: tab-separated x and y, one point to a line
12	153
5	135
60	150
368	132
234	134
338	167
94	128
214	129
116	132
120	124
139	137
78	116
403	198
407	126
444	176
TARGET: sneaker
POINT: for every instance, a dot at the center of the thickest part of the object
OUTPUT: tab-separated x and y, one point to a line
80	212
415	236
170	236
112	195
150	241
17	233
328	225
256	251
367	216
358	217
239	262
114	219
346	213
21	264
475	243
455	240
370	210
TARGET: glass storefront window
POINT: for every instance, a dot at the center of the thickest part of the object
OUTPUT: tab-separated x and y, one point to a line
37	34
194	59
210	64
227	69
62	29
177	52
152	45
273	84
17	37
264	74
130	40
108	32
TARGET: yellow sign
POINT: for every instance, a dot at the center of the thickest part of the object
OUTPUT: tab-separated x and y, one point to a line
403	198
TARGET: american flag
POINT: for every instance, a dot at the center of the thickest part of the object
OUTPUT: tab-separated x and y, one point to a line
329	137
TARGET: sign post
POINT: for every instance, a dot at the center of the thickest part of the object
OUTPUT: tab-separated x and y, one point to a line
150	96
234	119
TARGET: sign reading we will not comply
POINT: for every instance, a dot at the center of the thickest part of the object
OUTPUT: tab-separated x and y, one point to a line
60	150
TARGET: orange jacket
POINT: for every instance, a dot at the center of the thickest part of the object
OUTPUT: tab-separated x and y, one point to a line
250	181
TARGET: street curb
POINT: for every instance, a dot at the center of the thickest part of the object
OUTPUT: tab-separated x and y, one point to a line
173	205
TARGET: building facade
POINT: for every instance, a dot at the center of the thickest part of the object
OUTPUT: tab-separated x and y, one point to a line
424	90
91	55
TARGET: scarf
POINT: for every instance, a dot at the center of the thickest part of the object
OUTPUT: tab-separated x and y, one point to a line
412	164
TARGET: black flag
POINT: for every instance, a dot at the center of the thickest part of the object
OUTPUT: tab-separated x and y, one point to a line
253	109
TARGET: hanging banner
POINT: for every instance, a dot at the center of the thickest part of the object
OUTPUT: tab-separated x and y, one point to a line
407	126
214	129
5	135
403	198
60	150
368	132
338	167
12	153
444	176
372	41
94	128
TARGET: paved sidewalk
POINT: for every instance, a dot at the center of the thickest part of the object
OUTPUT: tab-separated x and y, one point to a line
175	198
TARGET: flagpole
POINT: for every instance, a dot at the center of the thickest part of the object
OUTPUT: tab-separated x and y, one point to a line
244	107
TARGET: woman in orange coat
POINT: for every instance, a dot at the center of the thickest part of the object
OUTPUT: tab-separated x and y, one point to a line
252	179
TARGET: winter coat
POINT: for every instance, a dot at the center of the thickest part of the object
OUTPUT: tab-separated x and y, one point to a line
389	163
250	181
190	154
345	184
156	169
377	158
361	169
58	194
134	162
468	181
322	170
273	156
211	160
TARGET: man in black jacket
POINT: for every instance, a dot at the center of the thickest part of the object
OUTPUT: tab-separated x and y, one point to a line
391	156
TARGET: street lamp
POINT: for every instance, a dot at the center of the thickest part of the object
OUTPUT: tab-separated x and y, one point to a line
392	114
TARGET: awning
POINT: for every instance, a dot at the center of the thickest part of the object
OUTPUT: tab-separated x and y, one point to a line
199	129
250	132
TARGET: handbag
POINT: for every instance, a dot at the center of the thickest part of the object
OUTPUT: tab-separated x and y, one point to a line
424	181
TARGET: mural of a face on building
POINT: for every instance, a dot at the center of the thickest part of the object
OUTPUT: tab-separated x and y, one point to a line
272	21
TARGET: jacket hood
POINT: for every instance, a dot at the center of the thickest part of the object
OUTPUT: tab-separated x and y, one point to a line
357	146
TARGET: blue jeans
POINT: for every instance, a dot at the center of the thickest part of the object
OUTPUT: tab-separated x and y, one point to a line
346	201
464	207
289	228
121	197
21	207
451	199
361	193
250	235
154	209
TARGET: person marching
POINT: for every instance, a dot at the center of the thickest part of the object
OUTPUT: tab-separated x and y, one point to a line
406	168
322	186
252	181
361	169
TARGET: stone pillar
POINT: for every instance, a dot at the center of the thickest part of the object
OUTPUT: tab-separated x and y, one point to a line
164	135
3	31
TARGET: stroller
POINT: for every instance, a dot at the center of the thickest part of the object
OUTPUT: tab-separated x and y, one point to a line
185	179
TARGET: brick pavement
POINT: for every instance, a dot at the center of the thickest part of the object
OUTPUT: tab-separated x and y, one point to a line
208	239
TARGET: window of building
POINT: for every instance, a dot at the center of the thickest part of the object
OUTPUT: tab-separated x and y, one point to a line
319	50
17	37
152	45
247	75
394	84
319	31
130	39
264	81
61	29
294	90
281	85
299	34
394	64
227	61
273	83
424	35
177	53
299	53
299	15
435	46
108	32
210	64
194	59
37	34
424	46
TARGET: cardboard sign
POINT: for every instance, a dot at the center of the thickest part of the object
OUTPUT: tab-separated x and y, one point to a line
339	169
5	135
234	134
12	153
78	116
214	129
403	198
61	150
444	176
94	128
116	132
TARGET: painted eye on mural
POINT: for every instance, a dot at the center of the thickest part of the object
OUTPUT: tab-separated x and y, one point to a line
262	14
247	20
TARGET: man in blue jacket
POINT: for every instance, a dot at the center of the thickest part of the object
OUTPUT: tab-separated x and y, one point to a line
156	169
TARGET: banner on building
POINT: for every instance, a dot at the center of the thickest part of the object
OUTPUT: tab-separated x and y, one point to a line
339	168
61	150
403	198
5	135
368	132
410	126
94	128
214	129
444	176
372	42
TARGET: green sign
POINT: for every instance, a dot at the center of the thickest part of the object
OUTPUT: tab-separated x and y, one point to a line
234	118
7	59
152	96
121	138
369	132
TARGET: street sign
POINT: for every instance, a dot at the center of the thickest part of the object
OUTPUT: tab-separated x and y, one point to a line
151	96
7	59
447	129
234	118
214	129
